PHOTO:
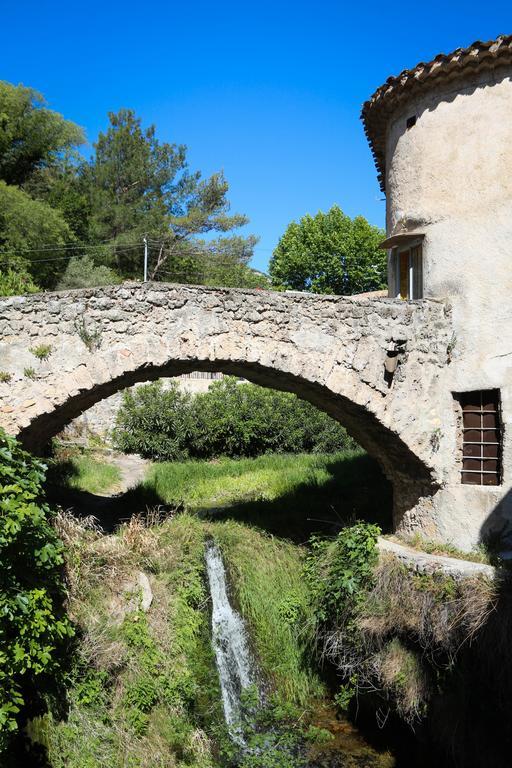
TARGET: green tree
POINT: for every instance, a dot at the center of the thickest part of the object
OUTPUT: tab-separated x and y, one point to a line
33	138
26	227
330	253
225	262
140	186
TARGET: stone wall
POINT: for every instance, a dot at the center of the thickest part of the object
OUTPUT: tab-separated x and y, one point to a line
329	350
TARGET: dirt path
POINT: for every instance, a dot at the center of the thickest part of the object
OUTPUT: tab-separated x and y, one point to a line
133	469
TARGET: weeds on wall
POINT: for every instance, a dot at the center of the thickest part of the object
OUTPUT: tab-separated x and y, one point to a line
42	351
5	377
386	629
29	373
90	336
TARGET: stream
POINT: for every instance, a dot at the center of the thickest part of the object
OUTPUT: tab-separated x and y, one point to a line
238	672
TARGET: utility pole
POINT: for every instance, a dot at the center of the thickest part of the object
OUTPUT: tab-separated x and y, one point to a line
145	241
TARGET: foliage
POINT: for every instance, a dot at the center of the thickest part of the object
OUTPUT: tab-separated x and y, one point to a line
144	685
341	572
242	419
29	373
25	225
33	138
231	419
155	423
42	351
82	272
133	186
140	186
330	253
16	282
33	627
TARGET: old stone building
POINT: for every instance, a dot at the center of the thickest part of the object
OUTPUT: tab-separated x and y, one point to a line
441	136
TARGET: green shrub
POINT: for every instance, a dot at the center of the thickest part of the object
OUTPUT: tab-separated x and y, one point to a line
155	423
231	419
33	626
83	272
241	419
341	572
16	282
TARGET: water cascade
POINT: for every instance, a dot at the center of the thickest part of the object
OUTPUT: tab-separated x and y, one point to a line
229	638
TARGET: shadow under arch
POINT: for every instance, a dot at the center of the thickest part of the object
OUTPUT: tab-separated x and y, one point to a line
410	477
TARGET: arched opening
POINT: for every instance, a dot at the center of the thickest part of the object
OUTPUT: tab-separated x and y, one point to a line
401	468
264	459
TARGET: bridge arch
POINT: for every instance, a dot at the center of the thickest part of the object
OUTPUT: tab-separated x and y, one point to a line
330	351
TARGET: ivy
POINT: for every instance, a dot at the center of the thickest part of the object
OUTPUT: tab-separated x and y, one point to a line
33	626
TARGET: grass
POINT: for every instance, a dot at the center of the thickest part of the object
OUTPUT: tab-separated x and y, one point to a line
143	685
144	689
287	495
83	471
93	475
228	481
416	541
274	599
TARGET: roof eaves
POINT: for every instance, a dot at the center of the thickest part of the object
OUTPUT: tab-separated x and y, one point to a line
477	57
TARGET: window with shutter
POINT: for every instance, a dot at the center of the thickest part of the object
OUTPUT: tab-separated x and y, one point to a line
408	268
482	437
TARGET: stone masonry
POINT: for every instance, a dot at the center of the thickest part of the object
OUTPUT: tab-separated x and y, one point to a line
376	365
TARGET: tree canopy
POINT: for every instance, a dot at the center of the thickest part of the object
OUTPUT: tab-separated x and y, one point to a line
33	138
70	222
330	253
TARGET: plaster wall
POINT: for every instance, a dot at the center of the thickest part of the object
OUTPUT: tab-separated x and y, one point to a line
450	177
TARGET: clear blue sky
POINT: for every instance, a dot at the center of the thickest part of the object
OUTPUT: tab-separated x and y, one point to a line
270	92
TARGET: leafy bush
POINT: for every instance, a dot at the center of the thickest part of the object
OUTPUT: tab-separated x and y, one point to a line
82	272
32	624
231	419
155	423
341	572
16	282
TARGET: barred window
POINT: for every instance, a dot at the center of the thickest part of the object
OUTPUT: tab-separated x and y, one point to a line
482	437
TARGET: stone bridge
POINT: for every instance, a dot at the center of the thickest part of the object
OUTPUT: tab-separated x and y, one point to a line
376	365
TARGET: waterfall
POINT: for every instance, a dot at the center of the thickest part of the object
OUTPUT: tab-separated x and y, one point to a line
229	639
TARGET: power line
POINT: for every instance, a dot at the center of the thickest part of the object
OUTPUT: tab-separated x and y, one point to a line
67	247
56	258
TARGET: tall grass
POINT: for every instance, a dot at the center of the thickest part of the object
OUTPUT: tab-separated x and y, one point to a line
273	597
144	688
288	495
82	471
